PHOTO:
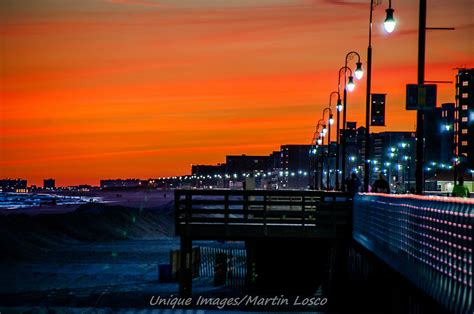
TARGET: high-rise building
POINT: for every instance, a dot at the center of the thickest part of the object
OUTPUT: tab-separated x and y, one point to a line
49	184
439	134
247	164
295	165
447	143
352	154
464	116
391	154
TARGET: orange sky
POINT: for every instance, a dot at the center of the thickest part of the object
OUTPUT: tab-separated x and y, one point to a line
96	89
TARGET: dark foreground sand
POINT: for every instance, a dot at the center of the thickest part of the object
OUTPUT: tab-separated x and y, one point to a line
96	256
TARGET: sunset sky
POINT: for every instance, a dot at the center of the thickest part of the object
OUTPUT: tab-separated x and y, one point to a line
95	89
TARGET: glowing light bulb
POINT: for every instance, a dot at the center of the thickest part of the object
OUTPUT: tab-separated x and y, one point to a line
359	73
389	23
350	84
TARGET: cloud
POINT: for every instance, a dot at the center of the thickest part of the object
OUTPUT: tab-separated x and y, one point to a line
146	3
348	3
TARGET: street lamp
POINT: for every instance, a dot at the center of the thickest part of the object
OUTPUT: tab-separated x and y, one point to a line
330	122
389	23
358	71
349	86
389	27
342	107
338	117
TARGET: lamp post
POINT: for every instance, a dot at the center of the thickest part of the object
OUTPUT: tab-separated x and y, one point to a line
330	123
316	141
348	86
340	107
389	25
322	135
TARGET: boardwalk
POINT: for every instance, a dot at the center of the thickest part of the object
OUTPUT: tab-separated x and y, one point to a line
240	215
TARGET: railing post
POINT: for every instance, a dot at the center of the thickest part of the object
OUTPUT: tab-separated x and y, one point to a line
177	211
226	212
265	231
245	206
303	210
185	274
188	210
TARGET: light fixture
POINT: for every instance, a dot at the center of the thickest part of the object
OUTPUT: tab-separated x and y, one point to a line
350	84
331	120
324	130
359	72
389	23
339	105
319	141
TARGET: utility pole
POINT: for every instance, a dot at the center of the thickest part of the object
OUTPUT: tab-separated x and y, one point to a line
419	114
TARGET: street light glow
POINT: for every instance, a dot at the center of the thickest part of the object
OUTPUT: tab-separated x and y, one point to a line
339	105
350	84
389	23
331	120
359	72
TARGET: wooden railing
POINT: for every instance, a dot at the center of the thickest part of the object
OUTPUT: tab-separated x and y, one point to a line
214	214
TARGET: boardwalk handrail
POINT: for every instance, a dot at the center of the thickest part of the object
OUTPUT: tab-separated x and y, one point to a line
429	240
250	213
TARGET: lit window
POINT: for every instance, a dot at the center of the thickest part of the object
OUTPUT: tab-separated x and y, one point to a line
464	119
465	95
464	131
464	143
465	83
464	107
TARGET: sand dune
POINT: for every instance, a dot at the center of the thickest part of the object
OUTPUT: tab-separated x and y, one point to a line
25	236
